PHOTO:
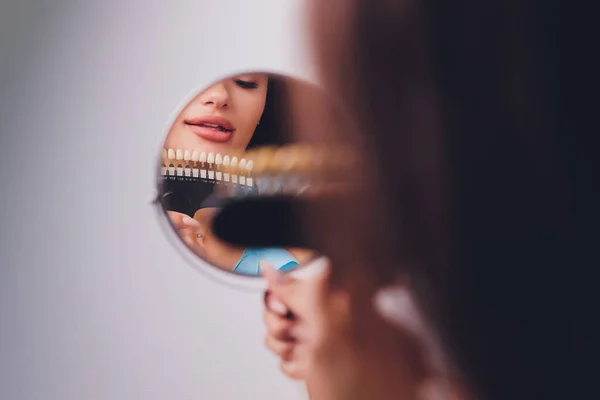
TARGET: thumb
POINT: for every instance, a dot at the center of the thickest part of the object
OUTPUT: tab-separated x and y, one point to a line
273	278
182	221
300	289
313	274
279	286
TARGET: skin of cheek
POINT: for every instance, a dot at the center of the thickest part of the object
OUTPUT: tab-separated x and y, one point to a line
248	107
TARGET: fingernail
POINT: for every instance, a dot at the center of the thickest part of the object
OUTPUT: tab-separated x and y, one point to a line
191	222
277	307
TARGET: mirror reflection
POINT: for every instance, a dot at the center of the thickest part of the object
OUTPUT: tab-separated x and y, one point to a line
229	142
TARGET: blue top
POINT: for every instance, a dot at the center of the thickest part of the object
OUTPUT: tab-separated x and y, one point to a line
279	258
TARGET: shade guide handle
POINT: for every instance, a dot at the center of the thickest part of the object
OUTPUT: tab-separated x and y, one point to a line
263	222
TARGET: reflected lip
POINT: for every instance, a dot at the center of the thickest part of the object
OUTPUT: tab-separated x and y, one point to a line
211	128
211	120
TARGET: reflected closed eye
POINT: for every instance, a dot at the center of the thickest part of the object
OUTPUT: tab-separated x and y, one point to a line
246	84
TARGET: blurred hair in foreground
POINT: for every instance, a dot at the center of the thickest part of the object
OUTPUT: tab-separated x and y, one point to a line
474	189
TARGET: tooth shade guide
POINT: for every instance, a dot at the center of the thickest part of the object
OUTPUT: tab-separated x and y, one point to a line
211	160
226	167
218	162
202	158
249	167
242	171
234	166
287	170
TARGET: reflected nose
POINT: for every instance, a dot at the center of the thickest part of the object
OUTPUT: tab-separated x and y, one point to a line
216	96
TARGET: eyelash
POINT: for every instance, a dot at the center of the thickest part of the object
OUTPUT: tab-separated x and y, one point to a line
246	84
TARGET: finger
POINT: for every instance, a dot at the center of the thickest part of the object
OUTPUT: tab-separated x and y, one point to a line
274	305
298	291
189	237
293	369
278	327
182	221
282	349
315	270
273	277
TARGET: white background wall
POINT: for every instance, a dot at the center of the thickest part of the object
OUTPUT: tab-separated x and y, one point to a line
94	304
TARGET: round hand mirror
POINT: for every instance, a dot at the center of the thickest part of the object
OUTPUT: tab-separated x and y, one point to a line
237	166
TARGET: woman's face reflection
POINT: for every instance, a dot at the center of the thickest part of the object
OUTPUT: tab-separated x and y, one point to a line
222	118
219	124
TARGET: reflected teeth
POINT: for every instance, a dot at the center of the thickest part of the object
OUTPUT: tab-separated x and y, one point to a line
218	162
263	161
242	170
211	160
202	160
270	163
226	164
234	165
287	169
249	166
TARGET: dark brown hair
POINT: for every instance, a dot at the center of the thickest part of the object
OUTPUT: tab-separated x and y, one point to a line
467	179
274	122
